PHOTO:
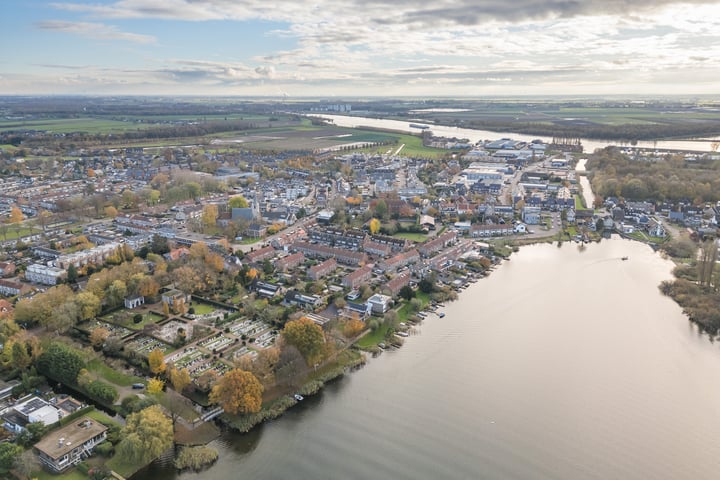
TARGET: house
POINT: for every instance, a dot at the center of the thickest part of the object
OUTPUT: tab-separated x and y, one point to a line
520	228
44	274
379	304
29	409
70	445
291	261
6	388
7	269
134	302
570	215
6	308
257	256
265	289
10	288
342	256
295	297
478	231
358	277
396	284
175	300
316	272
531	215
256	230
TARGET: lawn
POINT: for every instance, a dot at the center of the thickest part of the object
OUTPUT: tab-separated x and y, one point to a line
579	203
99	368
203	308
73	474
415	237
404	312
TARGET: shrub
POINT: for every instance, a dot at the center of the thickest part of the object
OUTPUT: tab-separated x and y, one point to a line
195	458
105	449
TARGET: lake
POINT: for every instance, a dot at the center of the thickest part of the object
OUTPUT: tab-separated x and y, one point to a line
565	363
589	145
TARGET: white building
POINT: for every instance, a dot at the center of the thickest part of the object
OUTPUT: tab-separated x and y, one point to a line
379	303
44	274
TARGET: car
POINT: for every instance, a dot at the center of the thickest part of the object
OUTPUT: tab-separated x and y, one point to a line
138	386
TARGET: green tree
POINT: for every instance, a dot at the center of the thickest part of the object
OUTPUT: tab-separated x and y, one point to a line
61	363
9	453
72	274
89	305
238	391
307	337
238	201
147	434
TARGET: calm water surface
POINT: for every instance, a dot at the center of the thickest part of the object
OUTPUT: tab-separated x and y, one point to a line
589	145
566	363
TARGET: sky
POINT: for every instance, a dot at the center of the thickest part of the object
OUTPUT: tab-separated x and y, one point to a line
344	48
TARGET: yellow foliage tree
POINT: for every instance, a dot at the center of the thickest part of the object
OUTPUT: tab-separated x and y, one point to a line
111	211
16	215
238	391
98	336
180	379
307	337
156	361
155	386
375	226
353	327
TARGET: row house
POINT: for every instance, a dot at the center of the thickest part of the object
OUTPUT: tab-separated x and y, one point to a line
358	277
291	261
397	283
335	237
431	246
256	256
499	230
342	256
316	272
374	248
96	255
44	274
10	288
396	244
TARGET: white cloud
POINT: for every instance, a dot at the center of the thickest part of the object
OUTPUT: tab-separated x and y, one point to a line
98	31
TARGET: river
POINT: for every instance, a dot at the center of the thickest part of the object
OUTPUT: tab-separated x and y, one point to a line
589	145
565	363
586	188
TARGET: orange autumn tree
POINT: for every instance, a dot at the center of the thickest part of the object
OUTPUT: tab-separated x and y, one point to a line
238	391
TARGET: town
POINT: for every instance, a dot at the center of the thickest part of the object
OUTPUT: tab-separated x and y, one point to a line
226	283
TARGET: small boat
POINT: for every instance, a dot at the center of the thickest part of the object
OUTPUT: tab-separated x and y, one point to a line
624	258
401	334
441	314
298	397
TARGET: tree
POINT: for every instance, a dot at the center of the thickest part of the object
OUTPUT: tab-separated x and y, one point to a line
116	293
180	378
381	209
89	305
353	327
9	453
98	336
209	215
155	386
238	391
156	361
147	434
148	287
72	274
61	363
407	292
20	357
16	215
238	201
706	261
64	317
159	245
111	211
375	226
307	337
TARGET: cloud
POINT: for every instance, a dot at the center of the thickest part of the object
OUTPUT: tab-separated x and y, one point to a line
98	31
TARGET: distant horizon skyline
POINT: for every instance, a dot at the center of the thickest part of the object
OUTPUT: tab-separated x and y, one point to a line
358	48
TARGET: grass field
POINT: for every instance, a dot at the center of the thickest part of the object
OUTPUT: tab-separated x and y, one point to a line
415	237
202	308
99	368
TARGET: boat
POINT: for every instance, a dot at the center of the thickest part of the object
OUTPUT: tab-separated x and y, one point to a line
624	258
401	334
417	125
441	314
298	397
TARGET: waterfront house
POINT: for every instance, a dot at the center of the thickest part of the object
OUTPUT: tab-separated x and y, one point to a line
70	445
